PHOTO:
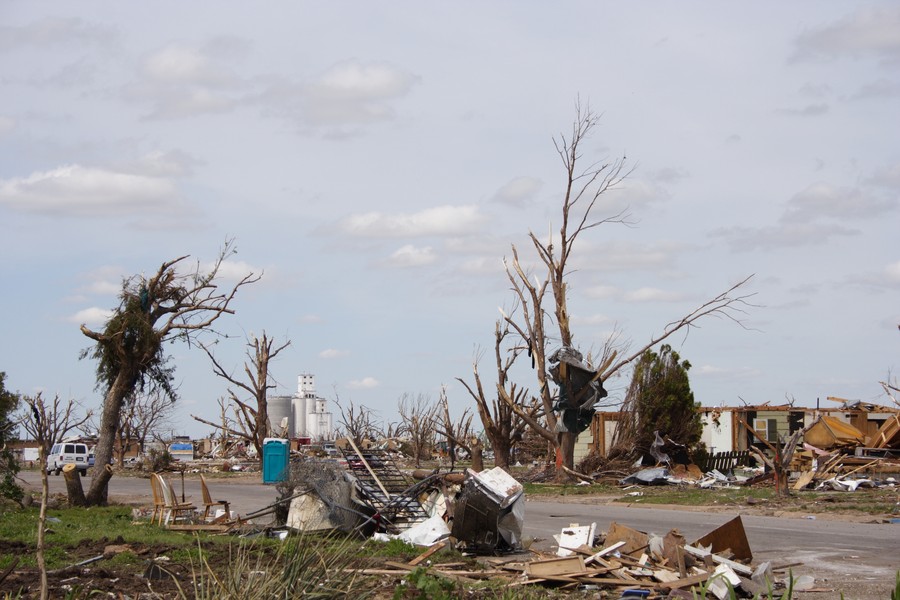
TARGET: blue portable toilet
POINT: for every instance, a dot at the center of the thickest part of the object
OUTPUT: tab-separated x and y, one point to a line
274	460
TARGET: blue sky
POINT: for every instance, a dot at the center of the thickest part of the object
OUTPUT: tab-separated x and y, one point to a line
377	161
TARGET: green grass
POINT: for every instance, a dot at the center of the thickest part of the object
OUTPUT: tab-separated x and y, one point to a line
873	502
67	529
557	489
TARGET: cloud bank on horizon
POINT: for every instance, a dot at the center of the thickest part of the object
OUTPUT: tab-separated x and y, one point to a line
378	163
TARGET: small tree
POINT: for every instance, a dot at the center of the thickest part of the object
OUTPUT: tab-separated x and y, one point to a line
659	399
9	467
129	350
418	417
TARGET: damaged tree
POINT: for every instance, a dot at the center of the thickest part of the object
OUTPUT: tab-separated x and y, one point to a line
253	420
584	188
418	416
459	434
358	422
506	415
166	307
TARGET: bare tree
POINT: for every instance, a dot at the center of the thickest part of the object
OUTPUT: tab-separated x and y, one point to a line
130	352
253	416
358	422
418	417
458	433
506	414
47	424
143	417
584	188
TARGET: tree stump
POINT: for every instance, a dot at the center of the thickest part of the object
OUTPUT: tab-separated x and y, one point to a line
477	457
73	486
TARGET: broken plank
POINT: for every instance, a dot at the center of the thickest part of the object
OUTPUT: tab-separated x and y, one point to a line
445	574
804	480
609	549
425	555
685	581
736	566
200	527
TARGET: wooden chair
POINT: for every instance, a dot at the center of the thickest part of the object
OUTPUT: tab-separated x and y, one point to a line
159	503
208	502
174	510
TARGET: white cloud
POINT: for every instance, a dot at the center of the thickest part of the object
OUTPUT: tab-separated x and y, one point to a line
892	273
670	175
165	164
810	110
888	177
743	239
805	221
650	294
103	288
104	281
822	200
75	190
519	192
441	220
411	256
631	194
54	31
177	64
235	270
603	292
366	383
7	124
331	353
482	265
591	320
880	88
91	316
868	31
355	92
725	373
625	255
182	81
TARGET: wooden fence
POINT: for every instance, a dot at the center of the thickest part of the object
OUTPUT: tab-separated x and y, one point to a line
726	461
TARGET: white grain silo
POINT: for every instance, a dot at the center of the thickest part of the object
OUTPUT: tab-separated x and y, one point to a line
304	403
281	418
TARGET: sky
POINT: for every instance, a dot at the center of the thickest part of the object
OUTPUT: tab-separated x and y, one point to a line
376	162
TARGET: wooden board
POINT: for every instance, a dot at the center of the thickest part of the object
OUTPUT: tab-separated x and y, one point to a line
556	567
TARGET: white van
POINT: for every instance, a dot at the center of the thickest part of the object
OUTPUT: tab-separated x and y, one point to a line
66	453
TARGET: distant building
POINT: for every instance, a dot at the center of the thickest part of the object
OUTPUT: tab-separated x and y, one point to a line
303	415
311	416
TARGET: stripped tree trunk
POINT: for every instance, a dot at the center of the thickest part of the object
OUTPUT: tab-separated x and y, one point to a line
73	485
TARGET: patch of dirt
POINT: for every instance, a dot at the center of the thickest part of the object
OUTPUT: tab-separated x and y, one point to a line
132	579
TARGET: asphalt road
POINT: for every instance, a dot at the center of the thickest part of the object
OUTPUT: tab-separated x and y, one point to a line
835	551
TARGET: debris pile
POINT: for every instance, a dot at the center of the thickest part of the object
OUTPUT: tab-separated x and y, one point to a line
624	561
